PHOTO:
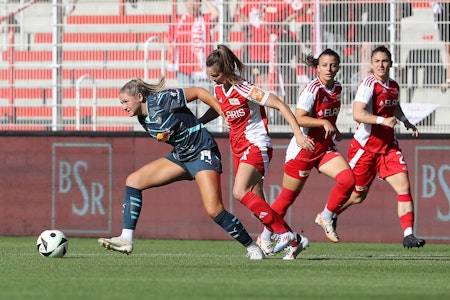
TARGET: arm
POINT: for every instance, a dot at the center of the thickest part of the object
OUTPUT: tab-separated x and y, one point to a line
208	116
399	114
361	115
206	97
194	93
304	120
302	140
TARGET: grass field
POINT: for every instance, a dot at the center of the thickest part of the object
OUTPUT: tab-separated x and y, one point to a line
170	269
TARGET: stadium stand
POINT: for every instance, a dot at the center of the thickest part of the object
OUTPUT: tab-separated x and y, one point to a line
109	43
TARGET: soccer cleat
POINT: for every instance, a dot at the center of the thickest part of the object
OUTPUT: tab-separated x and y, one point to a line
266	246
334	222
293	251
255	253
411	241
327	226
119	244
283	240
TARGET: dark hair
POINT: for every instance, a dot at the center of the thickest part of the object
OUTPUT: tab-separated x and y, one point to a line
137	85
314	62
226	62
383	49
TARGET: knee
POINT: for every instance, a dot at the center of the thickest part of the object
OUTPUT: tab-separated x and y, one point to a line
132	180
346	179
213	207
214	210
239	192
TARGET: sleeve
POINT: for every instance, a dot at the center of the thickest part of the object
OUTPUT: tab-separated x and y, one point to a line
364	93
177	100
252	93
306	101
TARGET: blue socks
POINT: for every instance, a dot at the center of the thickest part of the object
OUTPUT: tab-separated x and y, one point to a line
234	227
132	204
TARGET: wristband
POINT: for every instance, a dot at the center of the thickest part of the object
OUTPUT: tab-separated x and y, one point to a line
379	120
403	118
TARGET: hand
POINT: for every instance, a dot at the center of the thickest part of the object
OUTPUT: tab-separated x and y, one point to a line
337	136
329	128
304	142
408	125
225	124
389	122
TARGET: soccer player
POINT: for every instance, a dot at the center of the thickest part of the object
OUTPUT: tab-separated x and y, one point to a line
317	110
195	155
188	41
243	105
374	148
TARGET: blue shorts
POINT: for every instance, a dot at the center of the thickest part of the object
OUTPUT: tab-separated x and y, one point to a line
205	160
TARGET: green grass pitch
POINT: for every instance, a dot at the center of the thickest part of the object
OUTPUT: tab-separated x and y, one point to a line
172	269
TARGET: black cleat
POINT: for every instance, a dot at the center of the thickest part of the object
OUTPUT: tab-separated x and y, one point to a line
411	241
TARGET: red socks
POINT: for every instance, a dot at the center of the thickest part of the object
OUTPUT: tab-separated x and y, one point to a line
284	201
264	213
345	182
407	219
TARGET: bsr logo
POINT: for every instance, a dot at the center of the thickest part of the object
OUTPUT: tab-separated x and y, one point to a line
236	113
432	179
70	178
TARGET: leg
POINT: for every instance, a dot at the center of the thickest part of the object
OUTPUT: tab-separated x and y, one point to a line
247	178
338	169
355	198
157	173
393	171
210	191
365	167
405	208
291	188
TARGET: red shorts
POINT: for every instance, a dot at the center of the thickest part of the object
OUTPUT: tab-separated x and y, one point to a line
366	165
301	169
258	157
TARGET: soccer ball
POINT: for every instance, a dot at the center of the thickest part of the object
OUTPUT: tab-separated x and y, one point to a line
52	243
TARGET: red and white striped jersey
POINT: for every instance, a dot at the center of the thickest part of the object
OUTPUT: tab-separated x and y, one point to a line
381	100
243	106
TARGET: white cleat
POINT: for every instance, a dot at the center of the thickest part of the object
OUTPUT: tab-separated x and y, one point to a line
328	228
283	240
266	246
255	253
119	244
293	251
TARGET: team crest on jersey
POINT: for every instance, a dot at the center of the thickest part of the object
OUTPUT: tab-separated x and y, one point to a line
234	101
338	97
325	99
256	94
